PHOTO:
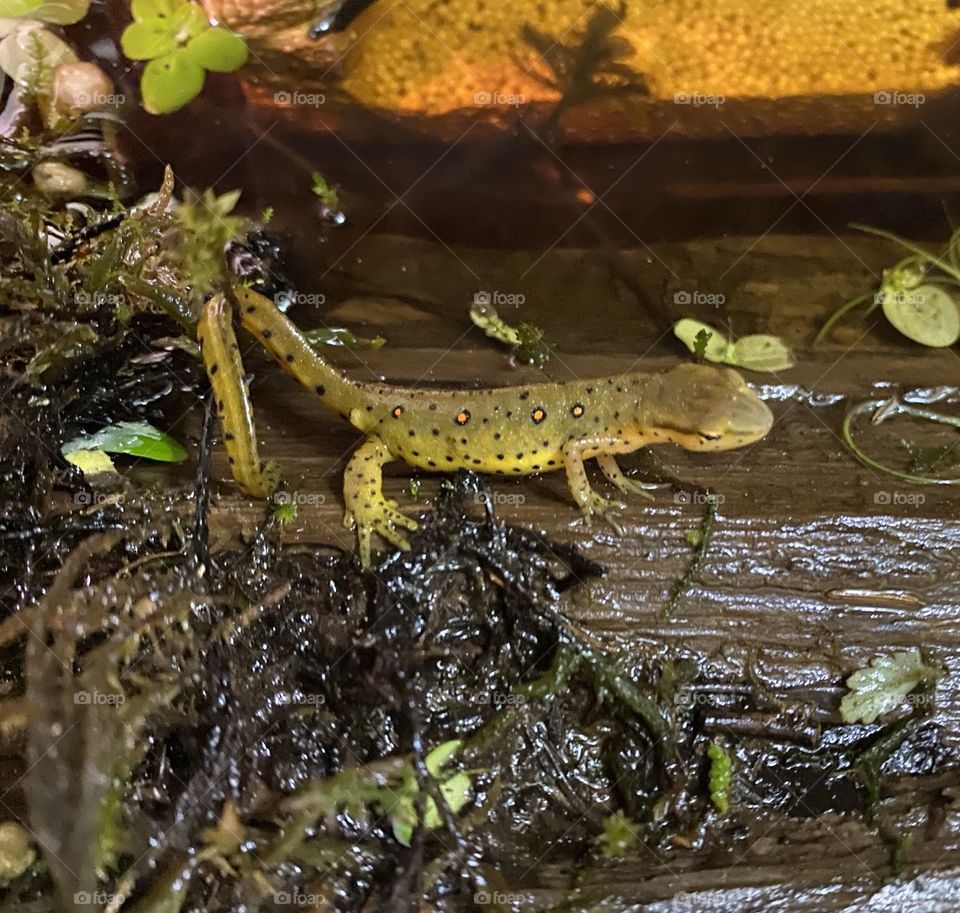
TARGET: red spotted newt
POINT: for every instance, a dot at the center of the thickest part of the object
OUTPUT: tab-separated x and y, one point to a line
515	431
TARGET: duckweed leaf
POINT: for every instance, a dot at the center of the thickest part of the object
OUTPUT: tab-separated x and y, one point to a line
181	45
154	9
132	438
147	40
170	82
218	50
927	314
879	688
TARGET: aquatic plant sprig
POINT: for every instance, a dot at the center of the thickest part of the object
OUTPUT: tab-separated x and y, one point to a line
884	409
911	293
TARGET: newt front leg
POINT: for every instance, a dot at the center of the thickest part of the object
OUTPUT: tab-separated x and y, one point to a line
367	509
603	447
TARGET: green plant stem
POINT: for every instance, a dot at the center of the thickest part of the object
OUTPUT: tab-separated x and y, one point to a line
894	409
838	314
948	268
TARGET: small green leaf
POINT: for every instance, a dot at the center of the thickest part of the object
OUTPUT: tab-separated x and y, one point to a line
169	83
761	352
339	336
717	347
328	195
926	314
878	689
437	759
720	776
12	9
218	50
138	439
147	40
91	462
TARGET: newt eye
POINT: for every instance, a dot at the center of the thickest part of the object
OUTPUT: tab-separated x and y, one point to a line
462	417
710	437
397	411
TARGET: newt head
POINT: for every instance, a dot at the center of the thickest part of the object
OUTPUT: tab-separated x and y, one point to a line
702	407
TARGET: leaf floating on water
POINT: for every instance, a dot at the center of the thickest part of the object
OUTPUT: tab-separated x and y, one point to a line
138	439
927	314
879	688
339	336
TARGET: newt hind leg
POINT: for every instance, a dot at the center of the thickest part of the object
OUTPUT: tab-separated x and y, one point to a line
367	509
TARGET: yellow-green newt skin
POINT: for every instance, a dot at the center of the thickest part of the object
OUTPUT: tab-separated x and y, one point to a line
504	430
